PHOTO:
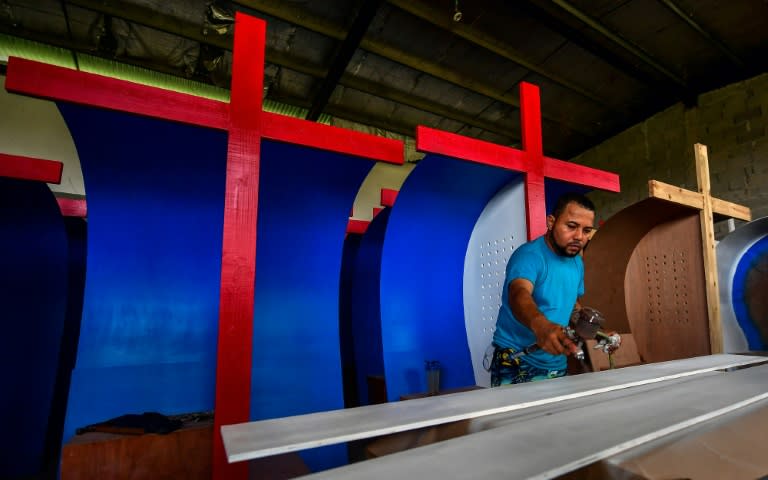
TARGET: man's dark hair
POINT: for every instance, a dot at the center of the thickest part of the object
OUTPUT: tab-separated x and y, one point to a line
567	198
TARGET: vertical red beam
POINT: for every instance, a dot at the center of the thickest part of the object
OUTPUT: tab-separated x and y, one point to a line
72	207
535	201
238	263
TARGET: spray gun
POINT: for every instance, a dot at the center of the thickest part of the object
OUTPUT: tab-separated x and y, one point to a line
587	323
584	324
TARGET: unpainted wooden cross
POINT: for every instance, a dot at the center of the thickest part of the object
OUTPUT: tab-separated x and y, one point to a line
708	205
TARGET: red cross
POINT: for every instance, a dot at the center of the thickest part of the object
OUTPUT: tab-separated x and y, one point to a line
530	160
247	124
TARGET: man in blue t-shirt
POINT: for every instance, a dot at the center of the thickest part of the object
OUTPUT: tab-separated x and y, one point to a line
544	281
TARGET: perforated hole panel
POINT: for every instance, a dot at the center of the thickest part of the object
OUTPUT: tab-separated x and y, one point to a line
499	230
668	287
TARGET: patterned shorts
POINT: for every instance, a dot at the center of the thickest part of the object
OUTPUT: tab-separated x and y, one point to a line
506	371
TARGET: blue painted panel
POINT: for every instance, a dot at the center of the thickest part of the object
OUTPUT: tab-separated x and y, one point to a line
304	202
155	194
755	258
33	302
348	367
366	305
77	240
422	271
554	188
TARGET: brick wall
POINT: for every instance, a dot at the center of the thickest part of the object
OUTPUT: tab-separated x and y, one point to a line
730	121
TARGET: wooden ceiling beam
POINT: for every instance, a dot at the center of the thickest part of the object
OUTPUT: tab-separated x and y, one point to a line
388	93
174	26
147	17
299	17
343	55
663	87
687	18
79	47
476	37
621	42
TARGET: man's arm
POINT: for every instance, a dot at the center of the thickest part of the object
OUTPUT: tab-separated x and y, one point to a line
549	336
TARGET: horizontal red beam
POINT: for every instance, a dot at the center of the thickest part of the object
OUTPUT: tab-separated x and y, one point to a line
63	84
458	146
357	226
58	83
388	197
28	168
581	175
72	207
429	140
334	139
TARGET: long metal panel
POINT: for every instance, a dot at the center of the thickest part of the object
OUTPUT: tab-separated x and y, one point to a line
270	437
546	446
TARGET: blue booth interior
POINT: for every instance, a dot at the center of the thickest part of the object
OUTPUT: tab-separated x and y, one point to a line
748	290
146	339
41	291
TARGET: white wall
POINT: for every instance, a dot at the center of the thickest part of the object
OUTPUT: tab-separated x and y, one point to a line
34	128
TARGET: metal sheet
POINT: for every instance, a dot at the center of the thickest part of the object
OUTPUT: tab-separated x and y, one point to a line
730	251
559	442
270	437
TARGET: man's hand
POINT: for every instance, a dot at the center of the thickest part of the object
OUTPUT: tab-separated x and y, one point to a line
551	337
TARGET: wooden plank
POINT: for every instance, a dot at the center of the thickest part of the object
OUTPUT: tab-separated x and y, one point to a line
581	175
184	453
708	248
388	197
238	257
57	83
269	437
730	209
675	194
554	442
325	137
357	226
530	123
682	196
28	168
63	84
72	207
430	140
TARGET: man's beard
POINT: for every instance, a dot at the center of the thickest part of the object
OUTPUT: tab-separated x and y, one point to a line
558	249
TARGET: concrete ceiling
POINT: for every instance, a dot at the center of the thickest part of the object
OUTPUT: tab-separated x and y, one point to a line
602	65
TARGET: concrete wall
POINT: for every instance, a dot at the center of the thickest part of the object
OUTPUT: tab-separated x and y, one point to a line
731	121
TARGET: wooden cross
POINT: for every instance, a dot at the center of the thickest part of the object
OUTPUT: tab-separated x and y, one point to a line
530	160
246	123
703	201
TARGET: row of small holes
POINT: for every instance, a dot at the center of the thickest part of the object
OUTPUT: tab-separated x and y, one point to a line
494	255
652	265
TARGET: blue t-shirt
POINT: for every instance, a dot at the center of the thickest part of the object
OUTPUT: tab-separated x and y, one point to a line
558	281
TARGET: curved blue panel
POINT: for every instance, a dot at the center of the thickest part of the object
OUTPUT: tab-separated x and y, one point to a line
155	193
366	305
304	201
33	299
348	367
77	241
754	259
422	314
